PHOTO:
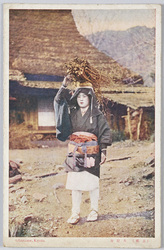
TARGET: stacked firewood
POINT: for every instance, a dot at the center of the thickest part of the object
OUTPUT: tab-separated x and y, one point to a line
82	72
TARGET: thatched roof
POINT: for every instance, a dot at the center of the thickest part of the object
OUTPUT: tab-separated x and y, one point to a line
130	96
16	75
42	41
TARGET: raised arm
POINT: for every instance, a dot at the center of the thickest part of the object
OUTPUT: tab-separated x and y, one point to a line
63	92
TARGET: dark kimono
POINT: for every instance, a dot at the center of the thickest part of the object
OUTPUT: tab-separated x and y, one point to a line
93	121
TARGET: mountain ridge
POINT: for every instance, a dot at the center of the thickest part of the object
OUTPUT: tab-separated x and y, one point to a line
133	48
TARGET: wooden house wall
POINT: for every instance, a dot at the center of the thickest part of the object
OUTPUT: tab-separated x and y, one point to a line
140	123
148	123
35	112
114	113
137	124
24	110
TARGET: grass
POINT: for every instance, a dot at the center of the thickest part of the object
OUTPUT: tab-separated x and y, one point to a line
118	135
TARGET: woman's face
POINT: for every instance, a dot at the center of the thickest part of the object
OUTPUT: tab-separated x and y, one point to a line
82	100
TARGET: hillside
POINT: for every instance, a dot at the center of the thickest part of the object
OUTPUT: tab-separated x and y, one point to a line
133	48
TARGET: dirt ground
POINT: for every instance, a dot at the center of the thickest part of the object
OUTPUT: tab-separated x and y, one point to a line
40	205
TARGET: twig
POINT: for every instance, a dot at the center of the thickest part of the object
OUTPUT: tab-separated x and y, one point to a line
45	175
120	159
58	201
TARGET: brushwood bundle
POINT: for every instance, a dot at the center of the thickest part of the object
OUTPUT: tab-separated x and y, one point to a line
84	74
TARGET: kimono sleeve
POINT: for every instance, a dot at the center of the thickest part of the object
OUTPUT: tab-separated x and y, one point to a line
104	134
62	117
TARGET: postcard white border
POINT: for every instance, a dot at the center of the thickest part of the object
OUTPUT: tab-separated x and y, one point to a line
85	242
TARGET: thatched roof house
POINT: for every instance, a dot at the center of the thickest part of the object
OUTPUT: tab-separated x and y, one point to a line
41	42
131	110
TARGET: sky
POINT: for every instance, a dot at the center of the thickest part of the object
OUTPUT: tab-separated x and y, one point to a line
91	21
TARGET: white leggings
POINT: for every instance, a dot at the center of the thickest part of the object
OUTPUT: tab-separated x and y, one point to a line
76	200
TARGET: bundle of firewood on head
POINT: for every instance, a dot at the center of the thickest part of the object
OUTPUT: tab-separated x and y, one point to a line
83	74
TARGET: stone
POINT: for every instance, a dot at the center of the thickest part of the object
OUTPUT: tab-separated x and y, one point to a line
29	168
15	179
39	197
60	217
59	167
12	208
29	217
149	174
18	161
20	191
128	181
28	178
152	165
58	185
127	184
13	165
24	199
45	146
149	160
13	190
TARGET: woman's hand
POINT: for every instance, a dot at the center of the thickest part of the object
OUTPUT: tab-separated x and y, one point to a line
103	158
67	80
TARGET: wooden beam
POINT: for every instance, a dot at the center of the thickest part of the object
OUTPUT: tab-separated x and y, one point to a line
139	124
129	123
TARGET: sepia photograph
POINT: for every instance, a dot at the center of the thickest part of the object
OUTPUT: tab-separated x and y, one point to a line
82	125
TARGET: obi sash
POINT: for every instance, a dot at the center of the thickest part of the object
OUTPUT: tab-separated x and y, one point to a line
82	150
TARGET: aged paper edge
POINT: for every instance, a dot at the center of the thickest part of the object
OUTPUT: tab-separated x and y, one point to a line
83	242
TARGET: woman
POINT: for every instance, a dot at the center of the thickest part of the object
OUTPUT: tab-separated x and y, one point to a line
78	116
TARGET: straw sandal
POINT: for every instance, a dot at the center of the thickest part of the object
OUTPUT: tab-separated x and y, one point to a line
93	216
74	219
